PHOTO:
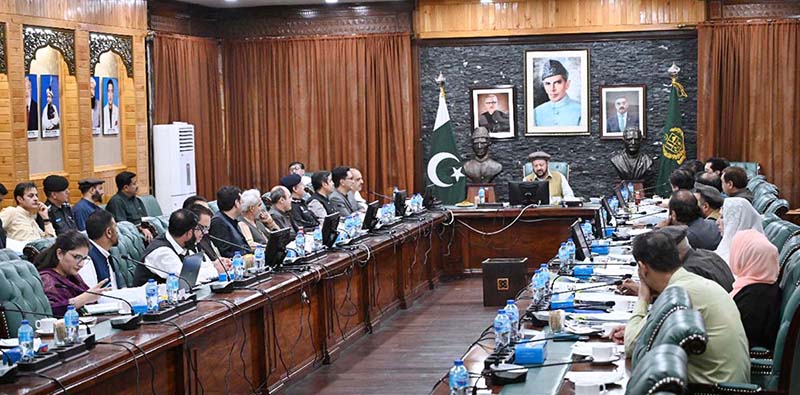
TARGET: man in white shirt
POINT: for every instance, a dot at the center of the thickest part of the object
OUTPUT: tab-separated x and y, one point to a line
354	196
50	118
110	111
102	231
165	253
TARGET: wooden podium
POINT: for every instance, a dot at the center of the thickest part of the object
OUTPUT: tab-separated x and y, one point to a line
472	191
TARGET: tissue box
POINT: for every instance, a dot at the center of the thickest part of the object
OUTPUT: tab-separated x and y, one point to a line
530	353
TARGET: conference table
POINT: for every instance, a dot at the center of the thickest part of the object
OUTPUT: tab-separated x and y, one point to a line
264	337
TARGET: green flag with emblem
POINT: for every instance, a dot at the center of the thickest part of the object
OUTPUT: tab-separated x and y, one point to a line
673	147
444	169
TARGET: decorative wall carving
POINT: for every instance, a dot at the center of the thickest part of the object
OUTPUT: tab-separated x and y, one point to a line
3	64
739	9
37	37
100	43
293	27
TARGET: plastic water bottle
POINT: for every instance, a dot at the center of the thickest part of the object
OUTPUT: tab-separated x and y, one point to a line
571	248
544	271
587	232
563	257
300	242
318	238
502	330
348	225
309	242
172	289
71	322
238	266
535	294
481	195
258	257
512	311
614	203
459	378
25	335
151	293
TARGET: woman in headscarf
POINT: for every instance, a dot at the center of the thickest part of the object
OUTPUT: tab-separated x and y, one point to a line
737	215
754	262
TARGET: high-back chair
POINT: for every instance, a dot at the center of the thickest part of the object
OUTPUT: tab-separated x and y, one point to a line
20	289
561	167
664	370
779	232
151	205
671	300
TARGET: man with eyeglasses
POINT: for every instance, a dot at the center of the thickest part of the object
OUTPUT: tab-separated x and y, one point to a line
342	183
204	244
494	120
167	252
224	225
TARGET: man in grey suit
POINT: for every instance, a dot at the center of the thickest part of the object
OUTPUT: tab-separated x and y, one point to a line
281	205
342	182
622	119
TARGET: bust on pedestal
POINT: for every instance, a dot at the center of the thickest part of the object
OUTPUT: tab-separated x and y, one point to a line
631	164
481	169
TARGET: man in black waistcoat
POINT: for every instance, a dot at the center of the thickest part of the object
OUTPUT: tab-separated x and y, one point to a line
224	230
302	217
319	203
166	252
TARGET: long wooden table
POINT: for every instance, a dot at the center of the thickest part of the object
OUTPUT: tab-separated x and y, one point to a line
266	337
536	234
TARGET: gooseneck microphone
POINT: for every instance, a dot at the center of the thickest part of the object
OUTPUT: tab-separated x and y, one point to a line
615	283
389	198
239	246
649	214
89	340
129	322
129	259
607	264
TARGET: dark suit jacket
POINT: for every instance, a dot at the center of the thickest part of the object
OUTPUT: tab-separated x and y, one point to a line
495	123
227	229
33	116
612	124
759	306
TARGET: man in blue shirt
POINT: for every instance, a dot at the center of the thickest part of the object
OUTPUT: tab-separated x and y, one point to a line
92	192
561	110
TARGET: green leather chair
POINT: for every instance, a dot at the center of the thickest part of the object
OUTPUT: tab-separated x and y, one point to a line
7	254
151	205
761	202
751	168
785	356
664	370
131	243
765	188
20	284
33	248
778	207
160	223
779	232
768	219
684	328
561	167
213	206
671	300
789	279
790	248
752	182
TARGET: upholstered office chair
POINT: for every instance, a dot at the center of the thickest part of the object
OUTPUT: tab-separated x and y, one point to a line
779	232
7	254
684	328
671	300
561	167
664	370
768	372
33	248
765	188
151	205
790	248
160	223
213	206
751	168
760	202
753	182
768	219
131	243
20	289
778	207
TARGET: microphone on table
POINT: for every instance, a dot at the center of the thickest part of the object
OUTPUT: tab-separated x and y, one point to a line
615	283
606	264
124	323
89	340
129	259
649	214
239	246
585	306
389	198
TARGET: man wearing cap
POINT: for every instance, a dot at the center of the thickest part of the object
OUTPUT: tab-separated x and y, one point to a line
22	222
56	188
92	191
541	172
709	199
560	110
494	120
482	168
301	216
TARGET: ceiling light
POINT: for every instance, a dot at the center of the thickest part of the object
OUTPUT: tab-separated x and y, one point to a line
486	1
231	1
331	1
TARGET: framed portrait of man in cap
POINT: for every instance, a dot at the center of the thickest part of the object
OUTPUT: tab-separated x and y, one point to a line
622	107
493	108
557	92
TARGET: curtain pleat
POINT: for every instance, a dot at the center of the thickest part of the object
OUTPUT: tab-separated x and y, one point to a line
749	97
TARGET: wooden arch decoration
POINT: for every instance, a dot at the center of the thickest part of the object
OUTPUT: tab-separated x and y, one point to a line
3	64
37	37
100	43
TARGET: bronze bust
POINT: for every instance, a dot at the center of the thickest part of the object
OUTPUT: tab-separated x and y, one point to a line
631	164
481	169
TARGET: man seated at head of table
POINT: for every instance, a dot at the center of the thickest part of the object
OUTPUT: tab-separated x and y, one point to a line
167	252
684	210
726	358
559	187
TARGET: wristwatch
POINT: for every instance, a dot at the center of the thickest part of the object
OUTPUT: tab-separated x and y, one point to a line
45	219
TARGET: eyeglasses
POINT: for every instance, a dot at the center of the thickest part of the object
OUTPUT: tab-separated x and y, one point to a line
202	229
491	102
80	258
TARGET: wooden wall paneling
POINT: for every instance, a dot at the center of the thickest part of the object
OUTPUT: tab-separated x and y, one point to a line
345	318
462	18
383	286
123	13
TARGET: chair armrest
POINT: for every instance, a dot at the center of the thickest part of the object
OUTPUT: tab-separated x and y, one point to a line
726	388
760	367
760	353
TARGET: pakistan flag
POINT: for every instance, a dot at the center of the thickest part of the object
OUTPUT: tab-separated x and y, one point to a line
444	168
673	147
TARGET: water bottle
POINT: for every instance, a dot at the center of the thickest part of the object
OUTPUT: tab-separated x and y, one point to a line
481	196
25	335
563	257
459	378
258	257
300	243
348	225
614	203
535	292
544	271
71	322
587	232
502	329
309	242
172	289
571	248
151	293
238	266
512	311
318	238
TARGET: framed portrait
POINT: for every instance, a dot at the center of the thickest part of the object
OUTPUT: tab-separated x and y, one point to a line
32	105
110	107
493	108
622	106
97	120
50	106
557	92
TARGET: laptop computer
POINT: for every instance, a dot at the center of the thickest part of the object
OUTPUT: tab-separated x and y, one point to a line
190	270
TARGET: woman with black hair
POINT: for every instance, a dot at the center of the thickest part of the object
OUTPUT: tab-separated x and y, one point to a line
58	267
